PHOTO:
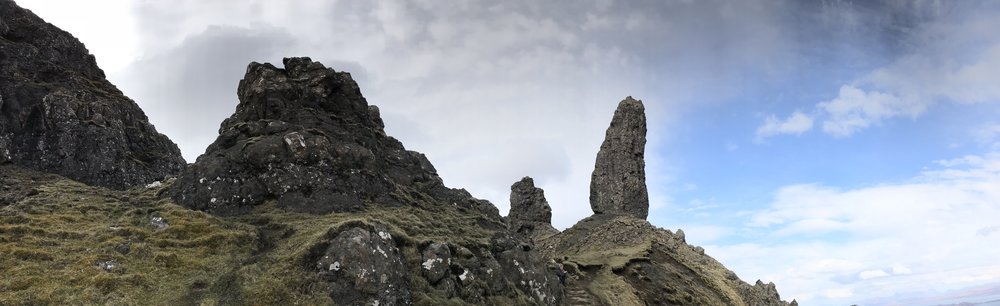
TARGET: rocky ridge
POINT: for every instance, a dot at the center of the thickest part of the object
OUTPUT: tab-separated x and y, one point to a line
303	139
59	114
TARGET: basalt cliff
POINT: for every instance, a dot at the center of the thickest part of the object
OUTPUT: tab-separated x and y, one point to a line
303	199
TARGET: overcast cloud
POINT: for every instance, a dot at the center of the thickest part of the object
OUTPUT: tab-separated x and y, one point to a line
489	91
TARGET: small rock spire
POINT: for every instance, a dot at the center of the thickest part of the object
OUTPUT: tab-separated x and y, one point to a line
530	214
527	202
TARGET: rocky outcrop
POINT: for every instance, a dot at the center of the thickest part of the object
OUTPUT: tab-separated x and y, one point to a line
303	135
616	257
305	139
59	114
474	273
618	184
363	266
530	214
622	260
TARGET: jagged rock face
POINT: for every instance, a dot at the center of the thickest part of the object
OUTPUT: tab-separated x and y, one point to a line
618	184
530	214
363	264
472	274
306	137
59	114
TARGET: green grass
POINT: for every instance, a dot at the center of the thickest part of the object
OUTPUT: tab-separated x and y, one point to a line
51	244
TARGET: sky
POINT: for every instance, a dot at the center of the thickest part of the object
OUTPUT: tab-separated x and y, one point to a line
848	151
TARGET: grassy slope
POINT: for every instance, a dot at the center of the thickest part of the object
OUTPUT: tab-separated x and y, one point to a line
627	261
51	243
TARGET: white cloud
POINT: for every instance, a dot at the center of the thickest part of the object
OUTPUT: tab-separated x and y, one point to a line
988	135
797	123
899	269
111	35
910	86
883	241
839	293
870	274
855	109
953	57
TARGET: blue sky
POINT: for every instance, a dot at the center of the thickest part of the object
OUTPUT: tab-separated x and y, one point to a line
846	150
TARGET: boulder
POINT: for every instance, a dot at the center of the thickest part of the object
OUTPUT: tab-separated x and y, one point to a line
59	114
618	183
436	262
363	266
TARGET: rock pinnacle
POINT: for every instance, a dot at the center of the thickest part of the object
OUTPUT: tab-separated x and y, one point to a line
618	184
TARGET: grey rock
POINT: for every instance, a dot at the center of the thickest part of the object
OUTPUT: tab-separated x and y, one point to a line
306	137
363	266
3	28
762	294
527	270
158	222
109	265
530	214
436	262
527	202
60	115
124	248
618	183
472	273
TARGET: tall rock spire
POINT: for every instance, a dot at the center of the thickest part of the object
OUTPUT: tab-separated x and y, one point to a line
618	184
